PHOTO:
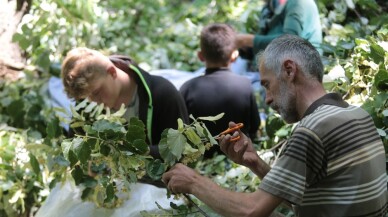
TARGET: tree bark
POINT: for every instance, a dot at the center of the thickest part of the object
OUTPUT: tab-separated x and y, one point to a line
11	56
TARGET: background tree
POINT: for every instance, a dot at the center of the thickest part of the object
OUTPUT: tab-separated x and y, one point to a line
157	34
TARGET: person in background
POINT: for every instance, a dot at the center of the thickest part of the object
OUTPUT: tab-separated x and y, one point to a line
333	164
219	90
117	80
278	17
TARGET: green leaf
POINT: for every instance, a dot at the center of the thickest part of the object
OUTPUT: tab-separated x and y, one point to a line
141	146
165	152
43	61
86	192
135	132
60	160
75	114
381	80
200	130
110	193
377	53
83	152
53	129
176	141
73	159
212	118
66	146
89	182
121	111
16	111
104	149
192	136
23	42
34	164
81	105
134	121
155	169
273	124
105	125
108	130
90	107
180	124
77	175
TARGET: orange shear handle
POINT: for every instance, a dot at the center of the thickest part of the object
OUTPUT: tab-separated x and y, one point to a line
231	130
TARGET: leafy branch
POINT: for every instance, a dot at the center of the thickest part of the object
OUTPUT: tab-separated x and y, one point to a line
108	153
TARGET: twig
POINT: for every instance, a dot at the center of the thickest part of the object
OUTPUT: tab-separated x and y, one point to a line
192	202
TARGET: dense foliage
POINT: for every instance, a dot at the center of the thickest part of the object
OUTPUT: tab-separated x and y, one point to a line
159	34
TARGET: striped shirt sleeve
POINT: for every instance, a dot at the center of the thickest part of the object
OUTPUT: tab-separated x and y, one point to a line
300	165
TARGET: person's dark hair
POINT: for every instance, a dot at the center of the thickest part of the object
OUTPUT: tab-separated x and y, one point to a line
217	43
296	48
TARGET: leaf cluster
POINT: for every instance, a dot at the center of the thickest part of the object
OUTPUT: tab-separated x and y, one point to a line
108	151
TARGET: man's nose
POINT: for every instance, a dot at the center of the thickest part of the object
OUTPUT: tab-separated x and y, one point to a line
268	99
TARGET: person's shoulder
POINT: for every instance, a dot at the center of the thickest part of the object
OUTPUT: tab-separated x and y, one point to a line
237	78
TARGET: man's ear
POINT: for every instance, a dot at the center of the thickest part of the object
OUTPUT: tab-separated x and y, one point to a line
290	68
200	56
234	56
112	71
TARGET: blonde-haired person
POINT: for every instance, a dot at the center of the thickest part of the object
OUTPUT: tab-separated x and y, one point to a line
116	80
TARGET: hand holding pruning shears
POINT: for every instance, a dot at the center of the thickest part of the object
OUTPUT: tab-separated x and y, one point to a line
231	130
238	147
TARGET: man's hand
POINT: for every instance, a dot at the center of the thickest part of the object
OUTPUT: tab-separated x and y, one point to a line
180	179
240	151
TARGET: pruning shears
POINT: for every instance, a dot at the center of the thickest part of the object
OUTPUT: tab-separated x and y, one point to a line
231	130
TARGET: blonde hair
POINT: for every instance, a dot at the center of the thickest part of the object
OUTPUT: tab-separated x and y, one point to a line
80	68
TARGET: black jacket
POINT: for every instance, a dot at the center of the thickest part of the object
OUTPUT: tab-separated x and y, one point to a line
220	90
167	104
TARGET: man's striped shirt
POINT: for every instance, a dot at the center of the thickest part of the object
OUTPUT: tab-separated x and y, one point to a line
333	164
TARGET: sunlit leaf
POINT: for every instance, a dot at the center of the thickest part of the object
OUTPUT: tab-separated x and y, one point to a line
212	118
192	136
66	146
81	105
90	107
165	151
176	141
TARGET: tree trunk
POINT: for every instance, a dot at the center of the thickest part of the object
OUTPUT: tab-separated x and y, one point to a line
11	57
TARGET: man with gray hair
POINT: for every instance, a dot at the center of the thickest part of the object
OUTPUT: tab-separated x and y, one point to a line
332	165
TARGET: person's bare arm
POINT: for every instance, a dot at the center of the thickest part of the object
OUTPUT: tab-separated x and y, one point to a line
181	179
244	40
